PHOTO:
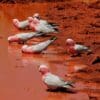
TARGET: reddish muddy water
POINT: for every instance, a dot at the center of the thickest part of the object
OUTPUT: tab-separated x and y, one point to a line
19	75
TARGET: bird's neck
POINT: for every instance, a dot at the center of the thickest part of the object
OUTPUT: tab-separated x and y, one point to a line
36	21
17	23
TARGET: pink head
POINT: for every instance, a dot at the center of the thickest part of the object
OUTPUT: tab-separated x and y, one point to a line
36	15
43	69
32	26
24	48
16	22
36	20
30	19
70	42
13	38
33	22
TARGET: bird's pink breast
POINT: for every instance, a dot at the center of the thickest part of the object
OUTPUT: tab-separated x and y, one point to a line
72	50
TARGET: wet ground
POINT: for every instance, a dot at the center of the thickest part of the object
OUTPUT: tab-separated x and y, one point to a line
19	76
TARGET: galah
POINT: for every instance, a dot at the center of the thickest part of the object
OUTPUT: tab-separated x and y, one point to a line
20	24
36	15
43	26
45	22
37	48
74	48
23	37
53	81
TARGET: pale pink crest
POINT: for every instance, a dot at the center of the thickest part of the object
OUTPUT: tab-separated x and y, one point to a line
30	19
43	69
36	15
24	48
16	22
13	38
70	42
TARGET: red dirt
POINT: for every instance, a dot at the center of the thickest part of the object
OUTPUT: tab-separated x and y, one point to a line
19	76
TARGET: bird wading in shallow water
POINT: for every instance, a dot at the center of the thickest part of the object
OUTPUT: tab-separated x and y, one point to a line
52	81
23	37
37	48
40	25
75	49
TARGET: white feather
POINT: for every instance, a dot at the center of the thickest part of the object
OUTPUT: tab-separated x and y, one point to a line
25	36
53	81
38	47
23	24
45	28
80	47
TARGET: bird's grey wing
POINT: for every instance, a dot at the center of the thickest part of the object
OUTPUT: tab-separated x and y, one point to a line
48	24
80	47
25	36
39	34
53	24
24	23
54	80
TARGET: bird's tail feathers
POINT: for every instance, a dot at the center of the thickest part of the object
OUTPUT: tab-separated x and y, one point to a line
69	83
40	33
53	38
53	24
56	30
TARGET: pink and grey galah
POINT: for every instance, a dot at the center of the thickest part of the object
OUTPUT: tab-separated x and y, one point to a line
53	81
20	24
23	24
74	48
40	25
36	16
37	48
23	37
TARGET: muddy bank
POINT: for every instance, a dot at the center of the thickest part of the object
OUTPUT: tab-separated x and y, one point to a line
19	74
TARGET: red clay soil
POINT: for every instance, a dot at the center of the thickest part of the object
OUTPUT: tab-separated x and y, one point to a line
19	76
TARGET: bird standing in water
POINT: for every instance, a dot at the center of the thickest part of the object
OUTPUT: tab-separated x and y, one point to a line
52	81
23	37
40	25
37	48
74	48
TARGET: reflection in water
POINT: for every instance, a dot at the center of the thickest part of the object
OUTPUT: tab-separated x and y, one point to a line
68	96
76	67
36	59
57	96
